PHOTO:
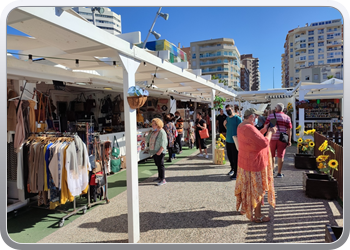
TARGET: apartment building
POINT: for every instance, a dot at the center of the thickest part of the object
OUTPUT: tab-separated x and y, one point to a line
217	57
245	83
313	51
283	73
108	20
252	64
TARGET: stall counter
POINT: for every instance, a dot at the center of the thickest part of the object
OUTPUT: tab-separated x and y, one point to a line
120	136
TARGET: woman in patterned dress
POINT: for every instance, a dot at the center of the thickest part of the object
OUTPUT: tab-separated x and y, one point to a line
170	130
255	171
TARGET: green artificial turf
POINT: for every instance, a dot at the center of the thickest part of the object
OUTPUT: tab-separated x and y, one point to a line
33	224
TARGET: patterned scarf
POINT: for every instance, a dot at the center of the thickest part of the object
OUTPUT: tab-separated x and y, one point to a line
152	140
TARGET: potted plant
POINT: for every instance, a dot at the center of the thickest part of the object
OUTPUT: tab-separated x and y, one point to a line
332	233
305	158
137	97
219	157
322	185
219	102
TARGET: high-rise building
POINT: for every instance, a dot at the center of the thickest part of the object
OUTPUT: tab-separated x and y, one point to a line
317	46
283	81
108	20
217	57
245	83
252	64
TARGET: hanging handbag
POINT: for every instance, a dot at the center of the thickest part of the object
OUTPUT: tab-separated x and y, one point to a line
80	103
98	163
115	159
90	104
204	133
118	104
283	136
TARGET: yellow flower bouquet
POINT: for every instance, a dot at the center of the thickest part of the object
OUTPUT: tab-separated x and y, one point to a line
305	146
326	165
220	144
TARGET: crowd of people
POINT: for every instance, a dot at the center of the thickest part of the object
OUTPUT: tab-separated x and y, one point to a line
251	145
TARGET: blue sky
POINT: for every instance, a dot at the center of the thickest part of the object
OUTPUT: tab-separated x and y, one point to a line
260	31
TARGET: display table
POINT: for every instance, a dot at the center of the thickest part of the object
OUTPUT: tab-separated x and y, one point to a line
120	136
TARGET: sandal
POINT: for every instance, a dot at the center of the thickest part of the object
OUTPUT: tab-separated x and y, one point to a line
262	219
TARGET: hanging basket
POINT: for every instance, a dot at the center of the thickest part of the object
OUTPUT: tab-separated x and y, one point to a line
136	102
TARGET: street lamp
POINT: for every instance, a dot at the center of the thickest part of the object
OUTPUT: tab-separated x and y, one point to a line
156	35
99	9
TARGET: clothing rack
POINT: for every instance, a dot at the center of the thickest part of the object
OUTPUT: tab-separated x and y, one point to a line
97	143
75	209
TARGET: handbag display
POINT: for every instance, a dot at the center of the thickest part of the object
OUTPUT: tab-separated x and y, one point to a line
80	103
204	133
115	159
283	136
118	104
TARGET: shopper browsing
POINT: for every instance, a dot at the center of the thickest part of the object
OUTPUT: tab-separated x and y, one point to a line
255	169
283	124
170	131
179	124
158	142
220	122
231	123
200	143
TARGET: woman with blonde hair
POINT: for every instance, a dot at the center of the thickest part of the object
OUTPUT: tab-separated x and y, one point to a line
158	142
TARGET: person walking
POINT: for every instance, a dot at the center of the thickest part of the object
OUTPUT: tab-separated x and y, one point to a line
255	169
220	118
231	123
283	124
200	143
179	125
158	142
170	131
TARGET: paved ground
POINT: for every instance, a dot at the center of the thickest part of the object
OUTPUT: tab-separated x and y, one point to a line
197	205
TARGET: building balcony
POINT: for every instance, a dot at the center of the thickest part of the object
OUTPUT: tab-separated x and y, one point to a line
234	56
334	48
298	48
215	47
215	70
334	43
214	63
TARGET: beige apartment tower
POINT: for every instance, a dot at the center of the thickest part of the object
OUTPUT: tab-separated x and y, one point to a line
217	57
252	64
313	53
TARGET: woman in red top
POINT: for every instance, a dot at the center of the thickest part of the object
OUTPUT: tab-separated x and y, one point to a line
255	172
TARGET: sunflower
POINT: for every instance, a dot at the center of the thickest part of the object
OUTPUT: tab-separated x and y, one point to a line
308	140
299	127
311	144
297	134
323	146
306	132
321	165
300	140
300	145
322	158
333	163
222	137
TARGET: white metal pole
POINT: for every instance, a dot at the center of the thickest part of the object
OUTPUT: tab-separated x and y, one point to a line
213	125
130	67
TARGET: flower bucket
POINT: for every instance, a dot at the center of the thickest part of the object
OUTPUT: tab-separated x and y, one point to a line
320	186
136	102
305	161
333	233
219	156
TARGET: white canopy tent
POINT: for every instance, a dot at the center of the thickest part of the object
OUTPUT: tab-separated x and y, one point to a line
61	37
329	89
